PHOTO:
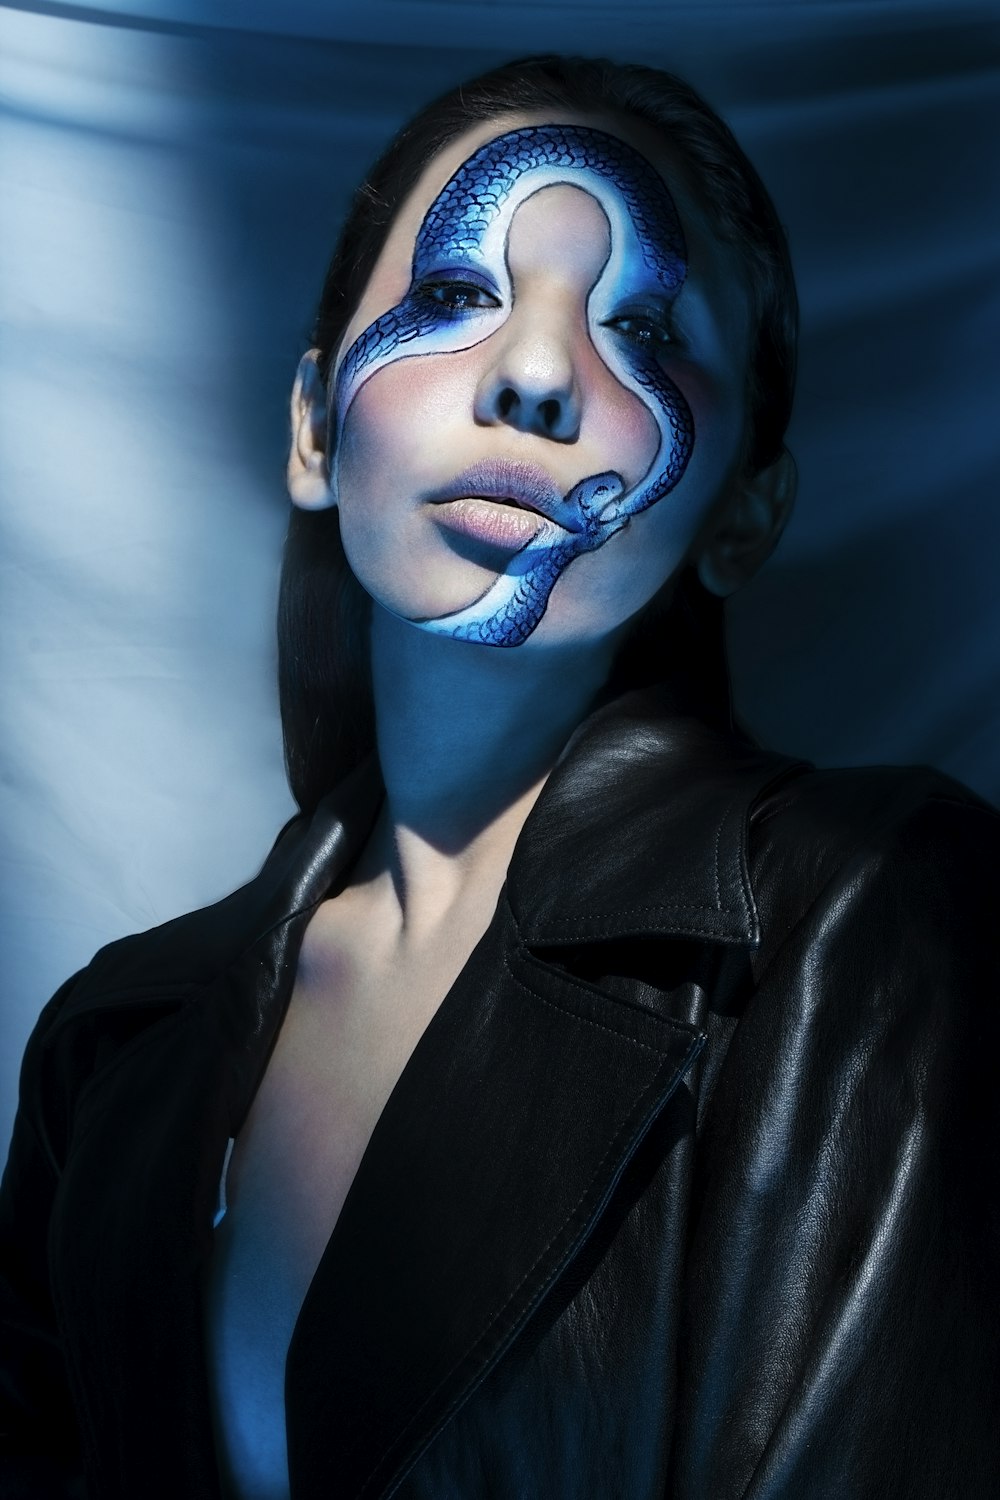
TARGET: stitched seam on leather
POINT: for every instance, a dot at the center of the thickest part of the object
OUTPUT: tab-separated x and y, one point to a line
611	1030
535	965
680	930
574	1213
689	929
495	1320
718	875
727	910
784	776
746	889
629	911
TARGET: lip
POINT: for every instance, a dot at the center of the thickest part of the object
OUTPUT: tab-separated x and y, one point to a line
508	483
505	528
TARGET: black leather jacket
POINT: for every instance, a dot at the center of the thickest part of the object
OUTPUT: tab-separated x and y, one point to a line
688	1190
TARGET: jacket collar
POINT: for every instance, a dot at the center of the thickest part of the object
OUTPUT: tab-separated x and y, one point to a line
177	960
640	830
647	813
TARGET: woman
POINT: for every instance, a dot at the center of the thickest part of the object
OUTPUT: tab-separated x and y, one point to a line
581	1101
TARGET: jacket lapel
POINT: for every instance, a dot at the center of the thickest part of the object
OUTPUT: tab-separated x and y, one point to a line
185	1017
493	1160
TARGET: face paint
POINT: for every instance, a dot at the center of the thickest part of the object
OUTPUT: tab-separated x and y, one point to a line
463	238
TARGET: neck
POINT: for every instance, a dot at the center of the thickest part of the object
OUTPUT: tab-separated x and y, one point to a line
466	737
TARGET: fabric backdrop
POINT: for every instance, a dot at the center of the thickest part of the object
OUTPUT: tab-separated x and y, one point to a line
171	178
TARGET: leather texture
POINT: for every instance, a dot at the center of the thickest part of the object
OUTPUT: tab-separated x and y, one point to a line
688	1191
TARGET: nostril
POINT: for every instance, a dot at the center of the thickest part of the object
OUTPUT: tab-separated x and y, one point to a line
506	401
549	411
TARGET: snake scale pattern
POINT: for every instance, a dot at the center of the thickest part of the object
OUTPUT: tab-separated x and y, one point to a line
466	227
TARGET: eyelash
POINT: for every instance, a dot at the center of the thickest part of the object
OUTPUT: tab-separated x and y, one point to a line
658	329
436	292
653	335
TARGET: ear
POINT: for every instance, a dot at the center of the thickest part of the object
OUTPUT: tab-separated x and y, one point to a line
749	527
309	482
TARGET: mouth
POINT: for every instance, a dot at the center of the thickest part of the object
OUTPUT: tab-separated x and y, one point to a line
513	485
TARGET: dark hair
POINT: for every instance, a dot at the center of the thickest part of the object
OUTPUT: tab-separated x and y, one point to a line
323	612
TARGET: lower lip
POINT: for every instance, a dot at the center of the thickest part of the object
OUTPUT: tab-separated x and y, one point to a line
505	526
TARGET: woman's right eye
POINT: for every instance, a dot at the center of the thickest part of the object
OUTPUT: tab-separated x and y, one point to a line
457	296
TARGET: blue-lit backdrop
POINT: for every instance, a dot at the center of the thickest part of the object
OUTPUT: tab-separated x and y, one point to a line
172	175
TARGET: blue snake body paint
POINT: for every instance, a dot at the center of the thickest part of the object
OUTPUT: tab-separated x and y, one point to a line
464	236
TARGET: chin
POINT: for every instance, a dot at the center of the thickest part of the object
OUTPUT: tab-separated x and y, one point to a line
430	599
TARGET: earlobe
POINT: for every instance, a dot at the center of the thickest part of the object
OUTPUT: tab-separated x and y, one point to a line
309	480
750	527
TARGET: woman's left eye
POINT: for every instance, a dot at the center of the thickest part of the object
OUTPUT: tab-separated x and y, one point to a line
457	296
644	329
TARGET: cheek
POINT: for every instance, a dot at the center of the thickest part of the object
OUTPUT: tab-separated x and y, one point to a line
388	424
375	453
715	404
718	410
605	587
398	441
636	429
619	427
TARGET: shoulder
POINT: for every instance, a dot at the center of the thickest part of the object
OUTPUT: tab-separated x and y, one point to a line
131	982
848	1132
868	1017
190	950
838	808
132	979
836	838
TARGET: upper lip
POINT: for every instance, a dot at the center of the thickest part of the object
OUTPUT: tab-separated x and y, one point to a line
513	481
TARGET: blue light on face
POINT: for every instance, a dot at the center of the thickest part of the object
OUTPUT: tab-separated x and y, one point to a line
464	234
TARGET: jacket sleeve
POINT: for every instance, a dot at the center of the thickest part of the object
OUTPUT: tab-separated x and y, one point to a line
841	1329
39	1439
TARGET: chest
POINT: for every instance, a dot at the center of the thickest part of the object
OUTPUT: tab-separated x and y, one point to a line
349	1032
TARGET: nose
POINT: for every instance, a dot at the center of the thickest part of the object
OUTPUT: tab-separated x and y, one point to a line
531	384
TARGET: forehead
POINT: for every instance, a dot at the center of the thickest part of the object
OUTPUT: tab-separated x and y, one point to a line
507	158
713	269
470	214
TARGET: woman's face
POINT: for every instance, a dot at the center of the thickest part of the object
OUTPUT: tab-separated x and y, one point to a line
539	401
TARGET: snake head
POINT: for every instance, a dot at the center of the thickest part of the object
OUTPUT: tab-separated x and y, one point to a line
594	497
